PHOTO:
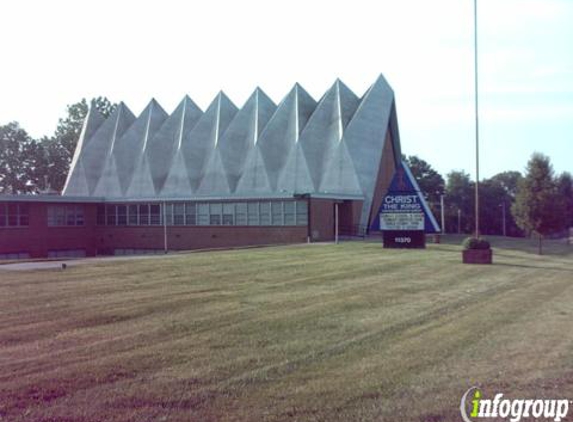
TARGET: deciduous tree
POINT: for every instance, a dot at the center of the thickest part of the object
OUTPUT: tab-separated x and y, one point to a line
538	209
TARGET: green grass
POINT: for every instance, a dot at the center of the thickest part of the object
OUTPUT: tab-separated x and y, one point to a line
348	332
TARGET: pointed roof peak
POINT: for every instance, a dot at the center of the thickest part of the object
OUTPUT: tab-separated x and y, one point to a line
338	84
187	101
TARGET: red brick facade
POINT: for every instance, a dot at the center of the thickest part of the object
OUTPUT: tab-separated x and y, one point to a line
38	240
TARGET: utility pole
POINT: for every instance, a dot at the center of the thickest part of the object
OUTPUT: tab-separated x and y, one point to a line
336	222
165	248
476	117
443	217
503	217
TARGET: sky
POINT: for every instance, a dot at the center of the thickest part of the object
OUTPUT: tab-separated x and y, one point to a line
55	53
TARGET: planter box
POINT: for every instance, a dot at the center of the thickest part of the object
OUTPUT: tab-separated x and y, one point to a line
477	256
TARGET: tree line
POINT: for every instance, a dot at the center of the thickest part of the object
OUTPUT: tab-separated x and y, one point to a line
537	202
30	165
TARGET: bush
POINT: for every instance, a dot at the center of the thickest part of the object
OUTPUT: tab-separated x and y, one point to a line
475	243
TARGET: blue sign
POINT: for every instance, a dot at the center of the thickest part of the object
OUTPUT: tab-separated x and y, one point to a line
404	206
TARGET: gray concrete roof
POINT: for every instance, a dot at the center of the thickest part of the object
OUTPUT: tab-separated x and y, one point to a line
333	148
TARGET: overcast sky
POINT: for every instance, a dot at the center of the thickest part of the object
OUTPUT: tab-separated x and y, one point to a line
56	52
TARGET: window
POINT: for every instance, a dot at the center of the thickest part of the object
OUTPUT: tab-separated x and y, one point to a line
190	214
110	215
66	215
121	215
241	214
23	214
168	210
277	213
14	215
215	211
3	214
265	213
289	217
79	215
301	213
155	214
253	213
228	214
179	214
144	214
203	214
132	215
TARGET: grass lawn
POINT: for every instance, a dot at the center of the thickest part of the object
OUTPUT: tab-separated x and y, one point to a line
348	332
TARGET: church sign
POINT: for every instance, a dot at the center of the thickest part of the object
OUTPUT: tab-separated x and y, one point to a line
404	216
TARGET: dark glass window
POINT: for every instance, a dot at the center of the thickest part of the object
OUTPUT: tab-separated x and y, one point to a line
110	215
121	215
132	216
155	214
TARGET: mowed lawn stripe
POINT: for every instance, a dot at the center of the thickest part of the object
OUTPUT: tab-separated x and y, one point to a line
317	332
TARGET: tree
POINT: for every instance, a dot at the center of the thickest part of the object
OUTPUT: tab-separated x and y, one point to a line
14	159
59	148
538	209
509	181
459	202
565	193
496	196
430	181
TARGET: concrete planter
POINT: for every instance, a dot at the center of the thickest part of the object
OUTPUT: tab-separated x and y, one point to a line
477	256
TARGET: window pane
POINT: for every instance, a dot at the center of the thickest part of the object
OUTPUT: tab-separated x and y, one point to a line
241	214
3	215
70	215
265	213
110	213
277	213
301	213
229	208
253	213
23	210
51	215
121	215
289	213
144	214
132	218
179	214
168	214
203	214
216	208
60	215
79	215
228	219
12	214
190	214
155	213
228	213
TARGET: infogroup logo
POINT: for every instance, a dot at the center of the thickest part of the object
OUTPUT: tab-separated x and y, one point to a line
474	407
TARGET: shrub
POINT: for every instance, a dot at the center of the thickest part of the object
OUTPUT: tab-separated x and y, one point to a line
475	243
